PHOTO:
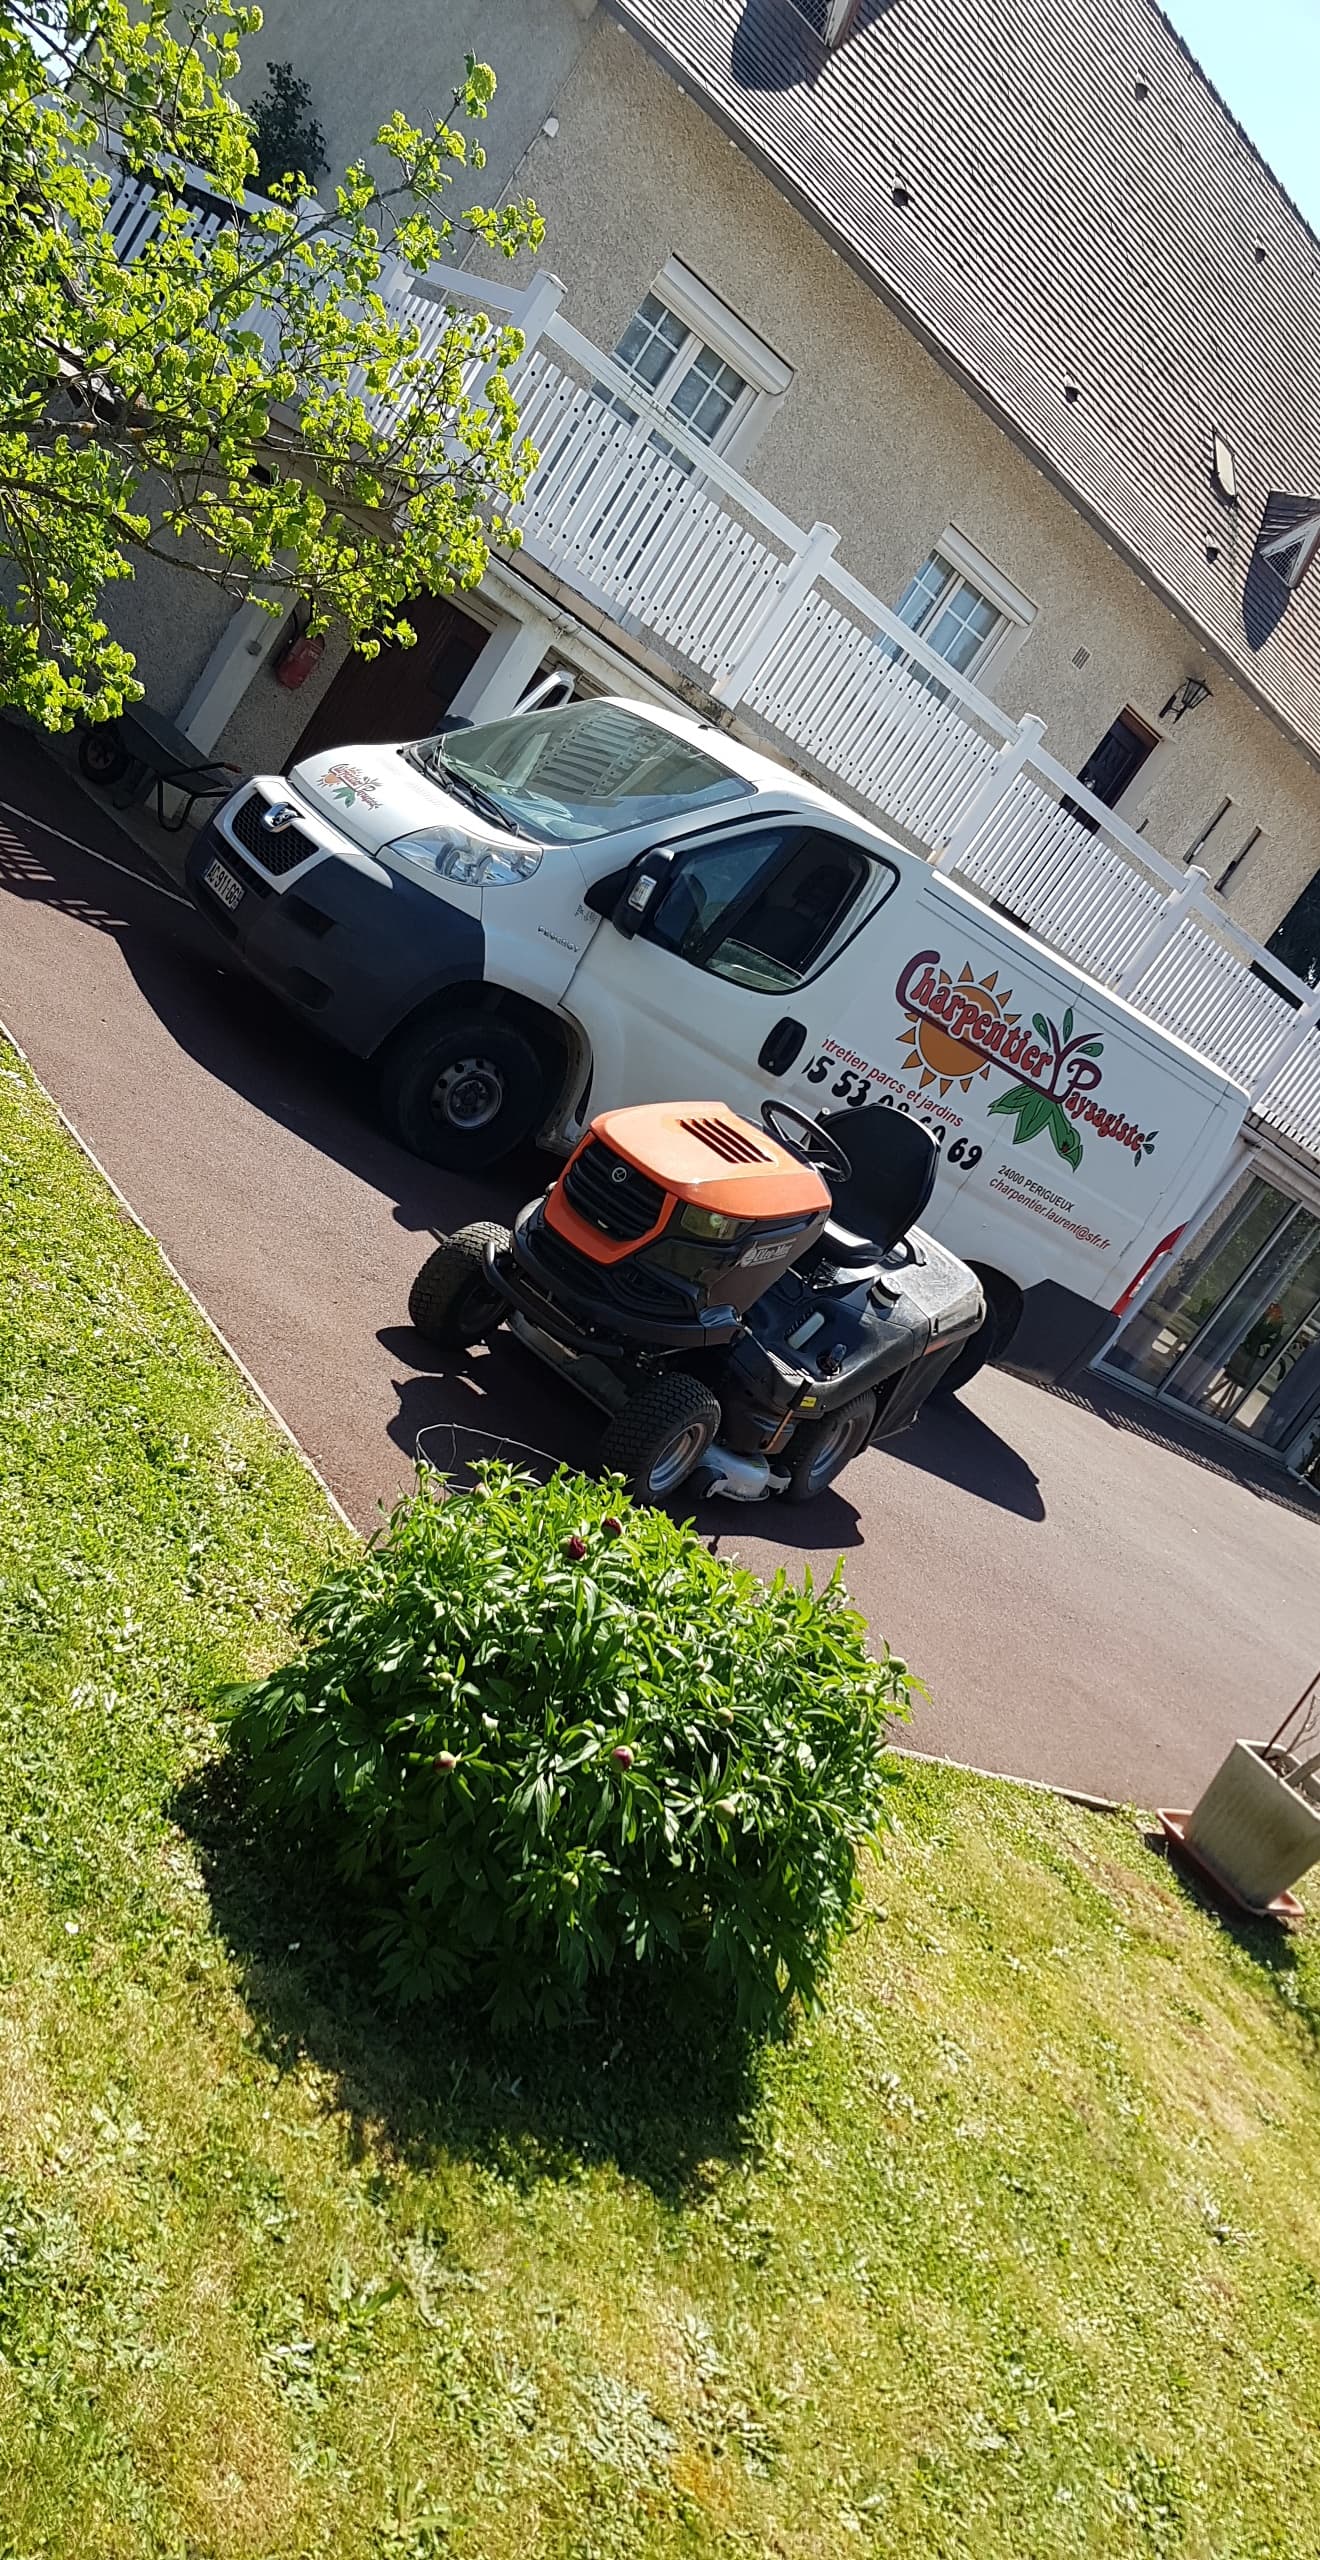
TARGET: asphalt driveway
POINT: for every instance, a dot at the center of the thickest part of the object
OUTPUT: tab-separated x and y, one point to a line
1092	1597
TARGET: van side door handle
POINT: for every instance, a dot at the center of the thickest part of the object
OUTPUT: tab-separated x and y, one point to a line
780	1046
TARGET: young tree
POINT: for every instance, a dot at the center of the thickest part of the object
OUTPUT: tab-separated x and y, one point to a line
256	410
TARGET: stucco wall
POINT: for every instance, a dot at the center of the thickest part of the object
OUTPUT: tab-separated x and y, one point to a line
363	58
171	621
875	438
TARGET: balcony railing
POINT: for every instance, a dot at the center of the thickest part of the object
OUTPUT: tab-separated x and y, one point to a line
636	517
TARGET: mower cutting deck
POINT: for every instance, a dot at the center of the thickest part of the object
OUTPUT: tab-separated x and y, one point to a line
749	1306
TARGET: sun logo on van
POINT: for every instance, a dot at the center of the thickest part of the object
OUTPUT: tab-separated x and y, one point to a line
934	1053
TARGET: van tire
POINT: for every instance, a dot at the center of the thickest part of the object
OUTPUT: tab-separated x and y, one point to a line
461	1090
1003	1314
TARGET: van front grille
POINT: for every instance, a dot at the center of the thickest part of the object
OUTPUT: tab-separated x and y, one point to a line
278	850
611	1194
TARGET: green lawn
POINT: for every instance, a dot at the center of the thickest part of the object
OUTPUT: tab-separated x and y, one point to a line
1014	2252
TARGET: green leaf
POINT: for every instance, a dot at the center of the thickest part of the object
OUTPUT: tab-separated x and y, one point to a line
1067	1026
1039	1023
1090	1049
1035	1115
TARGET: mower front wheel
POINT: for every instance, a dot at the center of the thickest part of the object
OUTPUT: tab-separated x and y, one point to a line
819	1453
451	1302
660	1435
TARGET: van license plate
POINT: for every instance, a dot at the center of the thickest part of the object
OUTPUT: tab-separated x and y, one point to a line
223	885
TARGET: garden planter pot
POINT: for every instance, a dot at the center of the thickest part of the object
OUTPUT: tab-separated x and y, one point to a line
1252	1830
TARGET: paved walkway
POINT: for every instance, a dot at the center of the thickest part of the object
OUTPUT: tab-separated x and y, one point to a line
1090	1598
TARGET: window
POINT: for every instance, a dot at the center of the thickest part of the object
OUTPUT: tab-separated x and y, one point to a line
829	19
763	908
698	360
693	381
957	623
1196	1285
962	607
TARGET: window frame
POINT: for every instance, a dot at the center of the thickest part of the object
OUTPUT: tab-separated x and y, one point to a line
880	878
969	568
710	325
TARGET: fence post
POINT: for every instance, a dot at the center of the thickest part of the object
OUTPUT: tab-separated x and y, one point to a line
541	303
1294	1036
1000	774
794	583
1179	904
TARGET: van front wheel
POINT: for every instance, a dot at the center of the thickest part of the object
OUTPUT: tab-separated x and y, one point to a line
462	1092
1003	1315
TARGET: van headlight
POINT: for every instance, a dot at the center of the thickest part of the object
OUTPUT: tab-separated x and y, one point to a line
478	864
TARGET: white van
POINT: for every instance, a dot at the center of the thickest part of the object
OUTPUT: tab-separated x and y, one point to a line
607	903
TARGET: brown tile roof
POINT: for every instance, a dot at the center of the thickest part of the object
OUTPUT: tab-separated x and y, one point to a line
1054	194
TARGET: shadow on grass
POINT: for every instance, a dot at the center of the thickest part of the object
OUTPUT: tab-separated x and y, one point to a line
1291	1962
656	2079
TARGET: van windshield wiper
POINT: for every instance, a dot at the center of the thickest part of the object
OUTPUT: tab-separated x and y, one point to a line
437	765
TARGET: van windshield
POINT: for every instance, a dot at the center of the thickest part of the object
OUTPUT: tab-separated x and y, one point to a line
586	770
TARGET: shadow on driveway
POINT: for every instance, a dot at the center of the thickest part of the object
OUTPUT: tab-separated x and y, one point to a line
224	1019
1235	1459
950	1441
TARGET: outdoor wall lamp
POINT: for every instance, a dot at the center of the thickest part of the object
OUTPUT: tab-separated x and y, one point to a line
1185	699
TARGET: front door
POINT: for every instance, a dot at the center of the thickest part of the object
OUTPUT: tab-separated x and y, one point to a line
404	693
730	982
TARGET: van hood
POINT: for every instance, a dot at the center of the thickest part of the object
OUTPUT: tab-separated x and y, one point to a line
373	794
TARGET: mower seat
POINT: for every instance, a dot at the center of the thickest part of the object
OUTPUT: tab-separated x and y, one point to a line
894	1163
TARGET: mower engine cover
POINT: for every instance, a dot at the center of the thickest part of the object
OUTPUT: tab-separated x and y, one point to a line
669	1221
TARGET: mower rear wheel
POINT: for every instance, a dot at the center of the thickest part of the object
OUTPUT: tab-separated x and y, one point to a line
660	1435
1003	1315
819	1453
451	1302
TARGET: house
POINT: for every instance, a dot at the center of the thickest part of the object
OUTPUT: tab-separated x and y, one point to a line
919	378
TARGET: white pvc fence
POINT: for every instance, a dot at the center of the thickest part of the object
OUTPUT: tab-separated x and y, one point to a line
628	509
613	513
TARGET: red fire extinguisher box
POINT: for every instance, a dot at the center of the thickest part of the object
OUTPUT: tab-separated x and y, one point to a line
300	659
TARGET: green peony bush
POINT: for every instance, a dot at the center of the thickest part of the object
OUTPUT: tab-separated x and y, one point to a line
546	1732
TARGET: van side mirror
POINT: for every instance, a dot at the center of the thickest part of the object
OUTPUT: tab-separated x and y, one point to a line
628	896
548	695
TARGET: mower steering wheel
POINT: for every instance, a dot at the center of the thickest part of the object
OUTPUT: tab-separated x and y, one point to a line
806	1138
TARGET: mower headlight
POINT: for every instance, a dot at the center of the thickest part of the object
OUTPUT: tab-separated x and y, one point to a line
711	1223
474	861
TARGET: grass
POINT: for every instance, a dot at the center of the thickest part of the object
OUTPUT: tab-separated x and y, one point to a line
1014	2252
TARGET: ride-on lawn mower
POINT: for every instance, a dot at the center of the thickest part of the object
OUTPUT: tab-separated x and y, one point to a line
750	1307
